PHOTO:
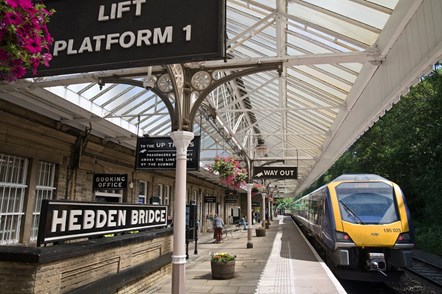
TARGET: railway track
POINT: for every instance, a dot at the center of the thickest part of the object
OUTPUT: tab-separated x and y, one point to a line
427	271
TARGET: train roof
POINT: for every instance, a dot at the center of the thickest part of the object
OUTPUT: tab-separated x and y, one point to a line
359	177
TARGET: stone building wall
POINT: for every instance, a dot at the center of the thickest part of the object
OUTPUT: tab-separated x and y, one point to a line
122	264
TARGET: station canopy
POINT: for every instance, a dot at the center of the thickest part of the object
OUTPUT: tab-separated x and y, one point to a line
329	51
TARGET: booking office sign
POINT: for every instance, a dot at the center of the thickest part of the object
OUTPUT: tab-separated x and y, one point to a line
95	35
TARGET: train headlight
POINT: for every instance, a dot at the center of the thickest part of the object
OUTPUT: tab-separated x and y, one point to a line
343	237
404	238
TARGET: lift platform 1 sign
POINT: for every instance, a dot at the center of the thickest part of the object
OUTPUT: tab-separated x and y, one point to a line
111	34
275	172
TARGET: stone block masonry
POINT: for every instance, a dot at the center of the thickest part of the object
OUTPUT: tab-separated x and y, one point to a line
120	264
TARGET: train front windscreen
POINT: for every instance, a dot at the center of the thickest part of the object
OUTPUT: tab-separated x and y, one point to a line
367	203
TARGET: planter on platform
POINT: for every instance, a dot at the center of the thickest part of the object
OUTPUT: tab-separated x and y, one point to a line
223	266
223	270
260	232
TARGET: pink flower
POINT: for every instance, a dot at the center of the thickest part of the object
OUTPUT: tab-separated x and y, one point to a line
33	45
18	71
24	38
12	18
34	62
4	56
46	58
25	4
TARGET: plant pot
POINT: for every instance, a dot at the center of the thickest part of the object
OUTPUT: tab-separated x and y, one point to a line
267	225
223	270
260	232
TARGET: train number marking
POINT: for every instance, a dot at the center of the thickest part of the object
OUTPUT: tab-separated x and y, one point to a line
394	230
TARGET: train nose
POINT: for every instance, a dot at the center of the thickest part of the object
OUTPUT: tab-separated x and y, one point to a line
376	261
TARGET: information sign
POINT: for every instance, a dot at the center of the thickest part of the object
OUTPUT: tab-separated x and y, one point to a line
275	172
160	153
210	199
111	34
63	220
110	181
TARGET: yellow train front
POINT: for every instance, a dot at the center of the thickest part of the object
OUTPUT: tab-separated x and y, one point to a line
362	225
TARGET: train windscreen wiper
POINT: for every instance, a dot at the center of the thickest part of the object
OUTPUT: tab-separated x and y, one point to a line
348	209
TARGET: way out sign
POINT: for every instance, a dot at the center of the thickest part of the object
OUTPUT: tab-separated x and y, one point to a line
275	172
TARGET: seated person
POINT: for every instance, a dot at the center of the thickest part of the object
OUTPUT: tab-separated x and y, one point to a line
243	222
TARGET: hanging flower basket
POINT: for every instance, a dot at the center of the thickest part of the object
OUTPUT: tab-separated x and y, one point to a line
229	171
24	38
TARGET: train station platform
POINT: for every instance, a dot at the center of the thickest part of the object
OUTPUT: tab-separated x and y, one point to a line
280	262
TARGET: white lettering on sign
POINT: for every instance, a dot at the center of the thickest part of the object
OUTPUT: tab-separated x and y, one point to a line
269	172
59	220
125	40
128	39
140	217
117	9
69	220
88	219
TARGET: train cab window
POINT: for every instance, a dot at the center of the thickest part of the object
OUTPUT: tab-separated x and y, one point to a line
367	203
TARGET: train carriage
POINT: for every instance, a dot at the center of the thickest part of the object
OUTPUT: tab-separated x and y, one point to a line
362	225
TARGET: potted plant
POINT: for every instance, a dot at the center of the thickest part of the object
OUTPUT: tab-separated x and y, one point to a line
24	38
223	266
260	232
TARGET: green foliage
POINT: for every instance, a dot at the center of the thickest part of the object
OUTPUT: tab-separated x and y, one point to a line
428	238
284	203
405	146
222	257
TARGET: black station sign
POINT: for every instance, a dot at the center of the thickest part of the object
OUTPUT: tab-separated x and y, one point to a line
110	181
275	172
63	220
231	199
110	34
160	153
210	199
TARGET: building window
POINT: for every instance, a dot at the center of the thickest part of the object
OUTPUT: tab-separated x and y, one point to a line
167	196
160	193
44	190
142	192
109	196
194	198
13	172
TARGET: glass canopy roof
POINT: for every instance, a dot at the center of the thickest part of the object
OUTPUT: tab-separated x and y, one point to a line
323	46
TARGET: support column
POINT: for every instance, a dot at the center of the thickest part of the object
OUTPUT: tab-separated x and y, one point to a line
263	216
249	216
181	140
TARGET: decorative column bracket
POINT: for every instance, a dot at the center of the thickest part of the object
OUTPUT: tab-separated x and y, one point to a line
176	86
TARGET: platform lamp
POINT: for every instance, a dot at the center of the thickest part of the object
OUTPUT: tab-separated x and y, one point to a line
261	148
